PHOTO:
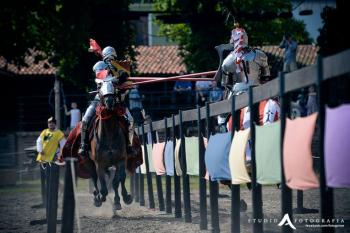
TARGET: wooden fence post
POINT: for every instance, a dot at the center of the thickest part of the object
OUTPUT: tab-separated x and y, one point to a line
43	185
202	182
148	174
326	193
213	186
256	188
142	177
286	191
177	184
52	198
167	178
158	182
185	177
68	200
137	185
132	185
235	189
137	175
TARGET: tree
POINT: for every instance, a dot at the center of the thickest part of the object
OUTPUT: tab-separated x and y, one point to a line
61	30
332	38
208	23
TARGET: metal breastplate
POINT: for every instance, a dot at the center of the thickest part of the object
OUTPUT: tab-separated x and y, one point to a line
251	68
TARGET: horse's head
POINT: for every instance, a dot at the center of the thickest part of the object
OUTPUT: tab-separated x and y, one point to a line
108	93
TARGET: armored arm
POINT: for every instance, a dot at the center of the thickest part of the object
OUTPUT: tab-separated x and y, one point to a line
283	43
262	60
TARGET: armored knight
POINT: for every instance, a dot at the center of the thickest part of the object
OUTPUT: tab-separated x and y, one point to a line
103	69
244	66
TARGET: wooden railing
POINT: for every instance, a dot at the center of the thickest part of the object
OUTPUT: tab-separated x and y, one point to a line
326	68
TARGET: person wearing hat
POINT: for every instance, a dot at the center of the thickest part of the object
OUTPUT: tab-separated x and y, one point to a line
50	142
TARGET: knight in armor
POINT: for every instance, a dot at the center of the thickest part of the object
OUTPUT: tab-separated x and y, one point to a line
103	69
244	66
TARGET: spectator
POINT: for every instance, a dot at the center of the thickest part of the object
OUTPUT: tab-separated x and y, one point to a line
74	113
149	134
50	143
290	51
202	90
216	93
182	91
312	101
135	106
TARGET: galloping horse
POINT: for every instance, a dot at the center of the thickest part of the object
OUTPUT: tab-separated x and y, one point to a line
108	146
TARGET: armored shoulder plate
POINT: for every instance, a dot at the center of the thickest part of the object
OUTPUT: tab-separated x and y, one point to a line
260	57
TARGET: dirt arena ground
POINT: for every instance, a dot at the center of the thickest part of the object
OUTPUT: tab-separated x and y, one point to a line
17	214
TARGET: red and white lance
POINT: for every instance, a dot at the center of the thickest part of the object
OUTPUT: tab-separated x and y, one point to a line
95	48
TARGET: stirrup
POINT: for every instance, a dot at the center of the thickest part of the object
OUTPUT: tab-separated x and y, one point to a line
83	149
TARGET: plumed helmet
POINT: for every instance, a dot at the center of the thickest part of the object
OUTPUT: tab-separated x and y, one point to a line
239	37
100	65
109	52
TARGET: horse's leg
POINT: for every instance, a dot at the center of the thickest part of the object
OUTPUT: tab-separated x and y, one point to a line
116	181
90	166
101	176
97	201
122	177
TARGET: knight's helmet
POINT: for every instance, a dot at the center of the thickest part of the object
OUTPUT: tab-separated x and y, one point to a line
239	37
109	53
100	69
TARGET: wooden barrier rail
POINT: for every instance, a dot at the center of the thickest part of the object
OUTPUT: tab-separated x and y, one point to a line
333	66
327	68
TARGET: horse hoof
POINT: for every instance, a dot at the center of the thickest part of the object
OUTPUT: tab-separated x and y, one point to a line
128	199
103	198
97	203
243	206
117	206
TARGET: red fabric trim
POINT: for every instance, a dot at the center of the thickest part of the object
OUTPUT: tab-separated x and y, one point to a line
101	74
103	114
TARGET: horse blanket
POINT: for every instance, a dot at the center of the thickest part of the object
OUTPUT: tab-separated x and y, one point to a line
72	144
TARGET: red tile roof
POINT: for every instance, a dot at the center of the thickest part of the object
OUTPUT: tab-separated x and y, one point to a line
164	60
41	68
306	55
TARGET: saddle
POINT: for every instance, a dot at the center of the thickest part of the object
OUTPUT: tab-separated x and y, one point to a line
71	147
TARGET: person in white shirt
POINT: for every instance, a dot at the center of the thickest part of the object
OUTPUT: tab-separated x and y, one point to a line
202	89
74	113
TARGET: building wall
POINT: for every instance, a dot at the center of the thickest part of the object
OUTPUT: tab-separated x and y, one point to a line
146	29
313	22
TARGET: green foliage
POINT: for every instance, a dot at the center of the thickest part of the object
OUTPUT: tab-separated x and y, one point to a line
209	23
61	29
332	38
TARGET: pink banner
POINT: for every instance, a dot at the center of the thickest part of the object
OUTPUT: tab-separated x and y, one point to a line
297	160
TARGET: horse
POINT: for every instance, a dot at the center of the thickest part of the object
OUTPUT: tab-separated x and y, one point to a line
108	145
